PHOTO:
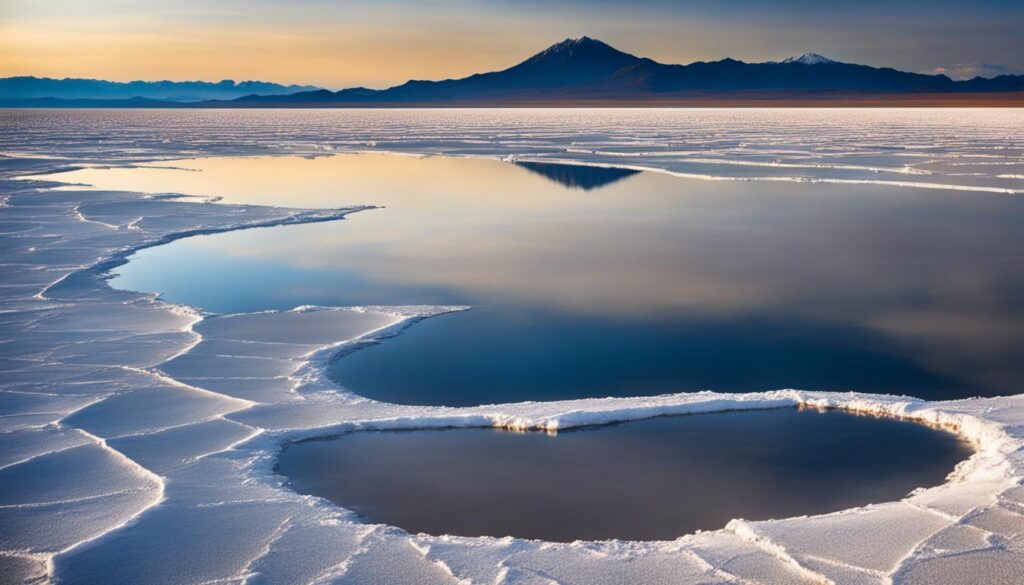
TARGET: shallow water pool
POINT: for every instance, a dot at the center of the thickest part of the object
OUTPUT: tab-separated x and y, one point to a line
591	281
655	479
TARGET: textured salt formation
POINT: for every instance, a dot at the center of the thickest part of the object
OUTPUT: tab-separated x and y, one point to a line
137	438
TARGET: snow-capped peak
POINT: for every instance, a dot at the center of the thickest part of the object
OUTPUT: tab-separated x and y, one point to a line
809	59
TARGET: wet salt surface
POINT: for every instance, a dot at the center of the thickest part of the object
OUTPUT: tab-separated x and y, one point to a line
648	480
588	281
84	382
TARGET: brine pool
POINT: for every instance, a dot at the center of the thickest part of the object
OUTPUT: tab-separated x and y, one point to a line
589	282
654	479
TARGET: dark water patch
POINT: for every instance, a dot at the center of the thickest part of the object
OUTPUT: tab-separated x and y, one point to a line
493	355
646	480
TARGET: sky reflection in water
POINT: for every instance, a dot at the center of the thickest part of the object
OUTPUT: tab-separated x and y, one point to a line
594	282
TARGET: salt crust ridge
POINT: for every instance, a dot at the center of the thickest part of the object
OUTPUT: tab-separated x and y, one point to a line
189	458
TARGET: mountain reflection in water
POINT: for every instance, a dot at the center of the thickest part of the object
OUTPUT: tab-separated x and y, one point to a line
578	176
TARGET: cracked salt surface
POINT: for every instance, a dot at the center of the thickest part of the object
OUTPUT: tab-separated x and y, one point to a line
193	475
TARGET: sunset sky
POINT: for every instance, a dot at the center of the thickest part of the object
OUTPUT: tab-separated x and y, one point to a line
339	44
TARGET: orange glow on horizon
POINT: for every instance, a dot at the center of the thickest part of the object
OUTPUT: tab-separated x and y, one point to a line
330	45
241	54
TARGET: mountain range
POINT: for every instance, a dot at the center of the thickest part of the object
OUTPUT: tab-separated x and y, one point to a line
13	88
586	71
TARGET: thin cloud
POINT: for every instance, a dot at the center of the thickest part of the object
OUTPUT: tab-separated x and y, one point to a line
971	70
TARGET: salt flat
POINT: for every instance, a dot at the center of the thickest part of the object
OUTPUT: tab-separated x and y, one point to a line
137	438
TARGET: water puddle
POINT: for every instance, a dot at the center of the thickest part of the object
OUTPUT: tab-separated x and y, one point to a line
654	479
589	281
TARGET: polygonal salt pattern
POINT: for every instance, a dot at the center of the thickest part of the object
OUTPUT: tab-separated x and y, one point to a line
120	474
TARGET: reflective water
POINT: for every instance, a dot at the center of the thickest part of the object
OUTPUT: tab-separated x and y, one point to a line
646	480
594	282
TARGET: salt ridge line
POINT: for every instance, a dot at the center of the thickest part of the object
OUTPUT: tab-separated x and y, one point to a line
517	407
780	179
903	170
666	169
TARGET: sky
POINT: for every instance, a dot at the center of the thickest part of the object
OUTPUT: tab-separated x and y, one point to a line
342	43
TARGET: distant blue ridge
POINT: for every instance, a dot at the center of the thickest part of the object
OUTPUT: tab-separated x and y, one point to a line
574	70
14	88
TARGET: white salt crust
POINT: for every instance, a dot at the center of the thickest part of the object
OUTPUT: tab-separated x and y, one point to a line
138	438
